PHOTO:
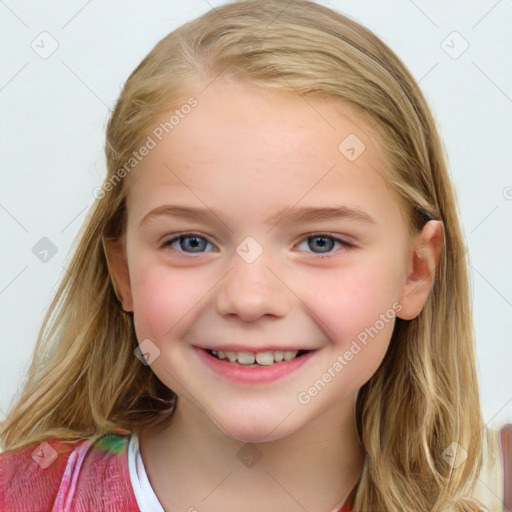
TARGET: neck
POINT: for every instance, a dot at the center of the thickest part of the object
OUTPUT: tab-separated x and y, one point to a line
191	463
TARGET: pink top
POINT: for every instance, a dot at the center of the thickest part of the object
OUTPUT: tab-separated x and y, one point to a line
54	476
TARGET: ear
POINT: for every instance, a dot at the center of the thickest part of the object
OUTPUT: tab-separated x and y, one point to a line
118	269
424	258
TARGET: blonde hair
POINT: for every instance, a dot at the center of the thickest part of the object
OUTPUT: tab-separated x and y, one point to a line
84	379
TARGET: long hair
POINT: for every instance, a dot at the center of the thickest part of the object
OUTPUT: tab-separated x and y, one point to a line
423	400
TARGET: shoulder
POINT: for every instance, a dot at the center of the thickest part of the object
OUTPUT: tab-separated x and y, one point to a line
32	474
55	474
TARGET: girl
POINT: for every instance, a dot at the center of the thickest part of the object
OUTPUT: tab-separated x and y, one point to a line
268	307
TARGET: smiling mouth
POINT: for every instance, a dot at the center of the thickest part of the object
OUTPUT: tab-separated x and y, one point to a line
257	359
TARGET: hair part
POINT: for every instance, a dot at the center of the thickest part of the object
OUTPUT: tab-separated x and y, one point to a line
84	379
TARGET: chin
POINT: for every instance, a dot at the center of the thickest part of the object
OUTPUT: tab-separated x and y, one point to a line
252	428
250	433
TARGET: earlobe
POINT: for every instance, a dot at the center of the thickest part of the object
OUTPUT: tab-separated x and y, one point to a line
425	255
118	270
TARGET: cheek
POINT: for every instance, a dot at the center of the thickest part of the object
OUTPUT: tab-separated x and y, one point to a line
356	303
162	297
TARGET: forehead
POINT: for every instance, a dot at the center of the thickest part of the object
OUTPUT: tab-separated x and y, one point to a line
255	114
243	144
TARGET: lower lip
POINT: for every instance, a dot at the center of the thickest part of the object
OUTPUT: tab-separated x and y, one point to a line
252	375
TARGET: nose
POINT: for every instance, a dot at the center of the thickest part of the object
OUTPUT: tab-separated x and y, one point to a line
253	290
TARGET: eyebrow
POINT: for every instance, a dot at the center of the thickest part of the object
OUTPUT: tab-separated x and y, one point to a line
286	215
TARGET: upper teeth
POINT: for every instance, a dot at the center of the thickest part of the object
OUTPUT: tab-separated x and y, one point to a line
263	358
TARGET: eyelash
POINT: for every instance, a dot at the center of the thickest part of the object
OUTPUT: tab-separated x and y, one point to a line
168	243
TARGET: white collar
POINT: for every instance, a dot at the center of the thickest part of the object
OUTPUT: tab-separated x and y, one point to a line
144	493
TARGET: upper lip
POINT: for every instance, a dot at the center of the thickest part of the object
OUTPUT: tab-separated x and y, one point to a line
244	348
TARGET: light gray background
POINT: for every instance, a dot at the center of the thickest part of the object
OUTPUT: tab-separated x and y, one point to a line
54	111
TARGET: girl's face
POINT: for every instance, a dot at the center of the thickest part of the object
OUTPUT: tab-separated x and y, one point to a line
262	223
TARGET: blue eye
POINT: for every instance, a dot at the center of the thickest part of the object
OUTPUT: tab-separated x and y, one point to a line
326	244
186	241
